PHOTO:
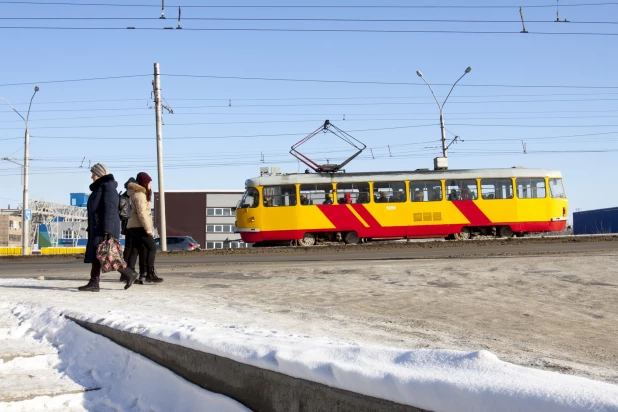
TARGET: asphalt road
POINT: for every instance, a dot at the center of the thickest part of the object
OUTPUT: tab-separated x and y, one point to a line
32	266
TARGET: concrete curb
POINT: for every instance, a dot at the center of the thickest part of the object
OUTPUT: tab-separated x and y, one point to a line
258	389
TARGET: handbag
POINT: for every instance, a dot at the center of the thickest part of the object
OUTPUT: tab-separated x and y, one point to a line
109	254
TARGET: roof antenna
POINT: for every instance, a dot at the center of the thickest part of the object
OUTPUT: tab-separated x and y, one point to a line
162	9
178	27
524	146
558	14
523	24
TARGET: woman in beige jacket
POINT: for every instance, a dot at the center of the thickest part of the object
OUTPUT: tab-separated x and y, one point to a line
139	226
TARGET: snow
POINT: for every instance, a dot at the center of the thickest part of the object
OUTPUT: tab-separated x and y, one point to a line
436	380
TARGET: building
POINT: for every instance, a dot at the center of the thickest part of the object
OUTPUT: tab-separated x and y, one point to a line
10	228
595	222
79	199
205	215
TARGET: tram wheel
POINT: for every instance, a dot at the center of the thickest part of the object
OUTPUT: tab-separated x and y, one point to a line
351	238
505	231
465	234
307	240
519	234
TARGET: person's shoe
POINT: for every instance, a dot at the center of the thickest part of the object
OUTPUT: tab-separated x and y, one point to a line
90	287
151	277
140	280
123	277
130	277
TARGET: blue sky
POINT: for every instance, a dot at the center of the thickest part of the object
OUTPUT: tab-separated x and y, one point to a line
209	144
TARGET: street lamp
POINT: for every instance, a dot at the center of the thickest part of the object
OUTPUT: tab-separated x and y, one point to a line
24	224
441	107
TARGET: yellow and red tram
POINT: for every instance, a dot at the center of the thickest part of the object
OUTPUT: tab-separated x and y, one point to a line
456	204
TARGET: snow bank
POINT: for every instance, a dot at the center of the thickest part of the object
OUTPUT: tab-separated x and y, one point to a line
436	380
120	379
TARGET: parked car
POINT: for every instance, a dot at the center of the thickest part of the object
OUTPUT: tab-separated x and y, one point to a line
178	243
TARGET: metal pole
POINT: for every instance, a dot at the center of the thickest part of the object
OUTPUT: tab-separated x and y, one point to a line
24	223
444	152
157	97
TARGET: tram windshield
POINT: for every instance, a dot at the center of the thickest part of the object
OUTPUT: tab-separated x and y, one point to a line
251	198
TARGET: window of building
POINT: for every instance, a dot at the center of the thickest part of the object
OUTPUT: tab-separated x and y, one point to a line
14	224
556	189
316	194
251	198
14	238
352	193
69	234
464	189
220	228
425	190
497	188
218	211
530	188
279	195
391	192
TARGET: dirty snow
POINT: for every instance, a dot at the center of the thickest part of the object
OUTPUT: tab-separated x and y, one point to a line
436	380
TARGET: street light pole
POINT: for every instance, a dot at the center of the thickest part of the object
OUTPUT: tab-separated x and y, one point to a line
24	223
441	107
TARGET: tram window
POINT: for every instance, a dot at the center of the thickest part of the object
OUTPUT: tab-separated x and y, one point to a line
556	189
497	188
426	191
531	188
316	194
251	198
464	189
352	193
391	192
279	195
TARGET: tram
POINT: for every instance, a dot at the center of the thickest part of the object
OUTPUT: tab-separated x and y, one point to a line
454	204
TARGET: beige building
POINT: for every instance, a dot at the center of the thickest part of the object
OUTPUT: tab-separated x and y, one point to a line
10	230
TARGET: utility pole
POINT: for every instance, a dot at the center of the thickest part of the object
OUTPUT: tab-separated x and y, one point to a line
24	223
157	98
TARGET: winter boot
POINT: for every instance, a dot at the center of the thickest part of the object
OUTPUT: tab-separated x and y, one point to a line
141	279
151	276
129	275
92	286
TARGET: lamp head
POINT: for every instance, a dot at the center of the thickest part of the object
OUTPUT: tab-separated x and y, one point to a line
469	69
419	74
36	89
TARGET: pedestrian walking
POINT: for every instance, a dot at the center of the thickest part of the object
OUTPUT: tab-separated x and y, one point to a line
125	215
103	221
140	226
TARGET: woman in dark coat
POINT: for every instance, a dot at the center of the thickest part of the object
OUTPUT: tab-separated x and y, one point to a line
103	220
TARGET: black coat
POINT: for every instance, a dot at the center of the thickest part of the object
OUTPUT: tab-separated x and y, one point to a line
102	214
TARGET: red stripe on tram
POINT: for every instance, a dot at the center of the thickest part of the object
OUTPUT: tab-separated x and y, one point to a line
472	212
341	217
367	216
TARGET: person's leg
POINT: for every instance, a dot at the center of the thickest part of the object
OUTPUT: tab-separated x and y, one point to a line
151	252
126	253
143	261
95	276
136	242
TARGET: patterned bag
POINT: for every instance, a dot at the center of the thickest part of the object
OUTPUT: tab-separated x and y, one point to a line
109	253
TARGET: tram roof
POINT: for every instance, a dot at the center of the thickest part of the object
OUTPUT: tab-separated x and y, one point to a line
300	178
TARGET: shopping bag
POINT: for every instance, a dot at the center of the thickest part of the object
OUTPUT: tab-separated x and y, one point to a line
109	254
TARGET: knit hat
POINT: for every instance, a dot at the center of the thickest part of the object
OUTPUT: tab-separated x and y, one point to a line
143	179
99	170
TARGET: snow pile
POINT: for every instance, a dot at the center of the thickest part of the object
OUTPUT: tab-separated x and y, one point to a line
436	380
115	378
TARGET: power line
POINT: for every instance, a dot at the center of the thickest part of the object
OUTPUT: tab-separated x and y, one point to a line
77	80
287	19
282	79
312	6
247	29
